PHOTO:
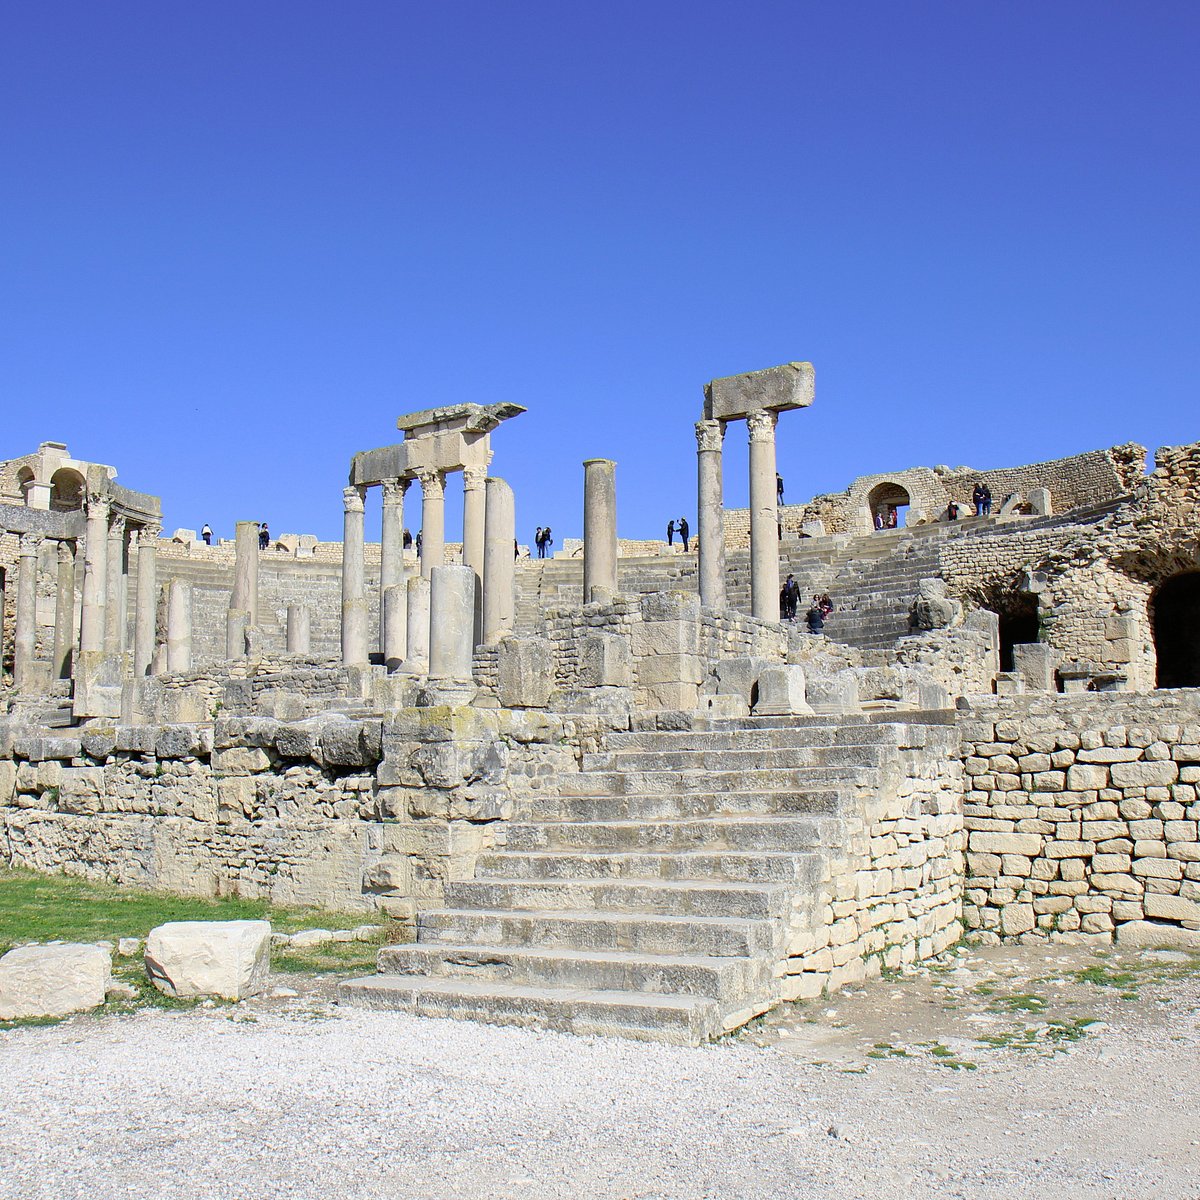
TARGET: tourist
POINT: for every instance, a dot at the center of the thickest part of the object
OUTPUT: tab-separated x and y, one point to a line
547	541
789	598
815	619
893	516
778	487
418	543
952	511
683	533
206	534
264	536
981	497
537	541
987	500
824	603
670	533
879	518
407	540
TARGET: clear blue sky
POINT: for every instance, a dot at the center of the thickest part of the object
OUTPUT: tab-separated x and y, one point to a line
237	240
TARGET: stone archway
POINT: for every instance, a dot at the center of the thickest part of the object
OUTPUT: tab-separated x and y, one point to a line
883	500
1175	613
66	490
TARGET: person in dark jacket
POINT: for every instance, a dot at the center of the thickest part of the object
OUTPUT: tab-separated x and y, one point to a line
789	598
815	619
682	526
670	533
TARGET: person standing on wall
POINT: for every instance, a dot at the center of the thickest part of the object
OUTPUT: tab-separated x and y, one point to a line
778	487
682	526
670	533
537	541
264	536
206	534
547	541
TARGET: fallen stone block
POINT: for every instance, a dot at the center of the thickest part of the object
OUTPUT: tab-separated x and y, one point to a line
53	980
230	959
1150	934
781	691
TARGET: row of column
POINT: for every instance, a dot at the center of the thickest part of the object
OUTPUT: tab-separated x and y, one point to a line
102	627
489	533
764	515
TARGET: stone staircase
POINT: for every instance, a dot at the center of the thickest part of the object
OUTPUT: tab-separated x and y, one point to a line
654	894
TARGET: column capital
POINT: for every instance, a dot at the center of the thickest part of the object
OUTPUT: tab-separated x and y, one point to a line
66	551
761	425
116	525
148	535
474	477
31	543
709	435
393	491
98	504
352	499
433	483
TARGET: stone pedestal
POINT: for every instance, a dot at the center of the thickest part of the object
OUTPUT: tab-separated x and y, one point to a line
764	518
114	613
25	634
298	629
710	513
433	521
451	624
391	547
64	613
95	574
416	658
394	620
499	604
599	530
354	599
179	626
147	600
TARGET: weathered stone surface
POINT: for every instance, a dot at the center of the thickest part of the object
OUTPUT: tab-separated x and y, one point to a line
230	959
525	672
53	980
775	389
781	691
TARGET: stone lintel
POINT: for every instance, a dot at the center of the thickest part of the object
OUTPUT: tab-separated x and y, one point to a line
459	418
776	389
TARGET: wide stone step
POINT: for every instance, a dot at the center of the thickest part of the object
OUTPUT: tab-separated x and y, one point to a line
801	869
855	731
673	783
614	970
684	806
585	930
662	897
719	833
738	759
688	1020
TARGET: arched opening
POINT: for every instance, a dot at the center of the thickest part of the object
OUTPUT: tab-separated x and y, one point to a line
888	504
66	490
25	482
1175	612
1019	625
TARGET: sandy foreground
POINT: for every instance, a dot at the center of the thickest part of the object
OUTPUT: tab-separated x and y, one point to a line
1011	1072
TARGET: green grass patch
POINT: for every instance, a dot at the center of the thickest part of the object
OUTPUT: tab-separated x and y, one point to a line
337	958
1020	1002
45	908
1102	976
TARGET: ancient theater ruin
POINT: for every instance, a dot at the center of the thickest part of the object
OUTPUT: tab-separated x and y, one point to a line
611	791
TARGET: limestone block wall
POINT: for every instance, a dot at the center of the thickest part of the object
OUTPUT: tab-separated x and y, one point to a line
893	893
1082	813
343	814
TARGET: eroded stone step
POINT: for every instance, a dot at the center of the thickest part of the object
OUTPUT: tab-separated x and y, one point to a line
734	759
662	898
801	869
615	970
584	930
684	806
718	833
673	783
688	1020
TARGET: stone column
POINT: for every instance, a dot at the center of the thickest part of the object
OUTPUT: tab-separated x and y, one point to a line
433	520
500	525
147	599
354	593
243	603
115	615
64	613
394	622
710	513
179	626
451	623
25	637
298	629
764	518
95	574
474	521
416	658
391	547
599	529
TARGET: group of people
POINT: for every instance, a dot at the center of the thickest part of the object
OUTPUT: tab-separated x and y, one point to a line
887	518
680	527
543	541
789	602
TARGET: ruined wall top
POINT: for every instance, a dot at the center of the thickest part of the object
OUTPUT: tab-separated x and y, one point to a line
776	389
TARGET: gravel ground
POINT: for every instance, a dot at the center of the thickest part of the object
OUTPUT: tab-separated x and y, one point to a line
296	1097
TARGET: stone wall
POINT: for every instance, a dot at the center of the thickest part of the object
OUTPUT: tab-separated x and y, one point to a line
1082	813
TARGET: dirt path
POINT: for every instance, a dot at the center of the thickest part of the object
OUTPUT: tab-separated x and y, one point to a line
1013	1072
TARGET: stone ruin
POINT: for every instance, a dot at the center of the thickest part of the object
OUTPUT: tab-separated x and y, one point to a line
611	791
